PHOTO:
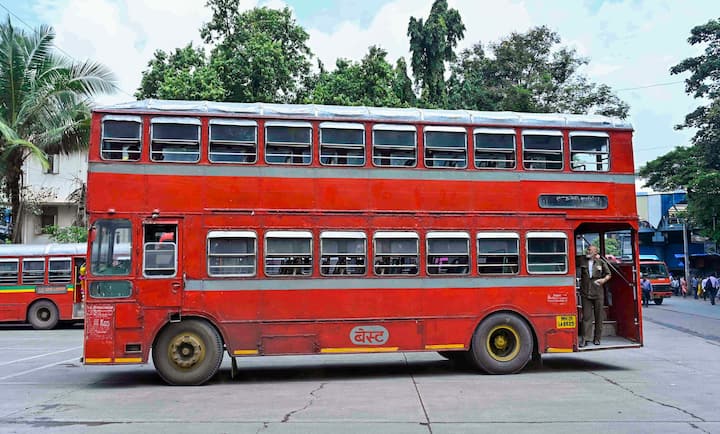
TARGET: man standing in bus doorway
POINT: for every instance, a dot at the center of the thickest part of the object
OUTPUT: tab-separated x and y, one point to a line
594	273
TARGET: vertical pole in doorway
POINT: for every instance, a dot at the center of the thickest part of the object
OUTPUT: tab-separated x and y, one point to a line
685	251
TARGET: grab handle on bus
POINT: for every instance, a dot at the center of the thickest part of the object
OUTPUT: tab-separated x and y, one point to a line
175	287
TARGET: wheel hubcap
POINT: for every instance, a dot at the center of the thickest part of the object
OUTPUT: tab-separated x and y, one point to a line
503	343
186	350
43	314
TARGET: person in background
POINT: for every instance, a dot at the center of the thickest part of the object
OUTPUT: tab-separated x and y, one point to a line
646	287
694	284
675	285
713	288
683	286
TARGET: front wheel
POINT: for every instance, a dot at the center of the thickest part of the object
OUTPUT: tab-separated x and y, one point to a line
502	344
188	353
658	301
43	315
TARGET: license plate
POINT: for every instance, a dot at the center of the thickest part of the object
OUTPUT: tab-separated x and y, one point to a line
565	321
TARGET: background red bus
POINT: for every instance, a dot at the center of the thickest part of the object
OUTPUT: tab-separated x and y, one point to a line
41	284
265	229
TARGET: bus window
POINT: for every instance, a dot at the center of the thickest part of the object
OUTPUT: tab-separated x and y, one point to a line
110	254
589	151
396	253
288	253
342	144
59	270
33	271
394	145
175	140
231	253
232	141
121	138
448	253
9	271
160	250
542	150
445	147
547	252
342	253
288	142
494	148
498	253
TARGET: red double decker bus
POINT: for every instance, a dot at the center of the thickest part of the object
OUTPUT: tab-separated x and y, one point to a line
41	284
267	229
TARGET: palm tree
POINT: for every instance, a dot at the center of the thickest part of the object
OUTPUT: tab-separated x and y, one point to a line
45	102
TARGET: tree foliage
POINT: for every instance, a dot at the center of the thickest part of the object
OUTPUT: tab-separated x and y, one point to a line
67	234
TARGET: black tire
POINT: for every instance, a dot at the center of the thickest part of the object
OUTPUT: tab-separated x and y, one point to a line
43	315
658	301
187	353
502	344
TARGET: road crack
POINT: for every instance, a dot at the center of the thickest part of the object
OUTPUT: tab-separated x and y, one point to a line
313	398
422	404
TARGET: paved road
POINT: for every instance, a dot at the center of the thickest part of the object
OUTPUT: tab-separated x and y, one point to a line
670	386
696	317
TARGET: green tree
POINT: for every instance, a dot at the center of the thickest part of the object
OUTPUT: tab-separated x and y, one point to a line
530	72
402	84
68	234
696	168
260	54
44	103
184	74
432	43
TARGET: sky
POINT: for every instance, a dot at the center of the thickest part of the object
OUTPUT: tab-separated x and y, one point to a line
631	44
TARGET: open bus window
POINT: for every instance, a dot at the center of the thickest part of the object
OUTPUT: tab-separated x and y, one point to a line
342	253
288	253
542	150
342	144
494	148
110	254
233	141
547	252
498	253
121	138
9	271
175	140
231	253
394	145
160	250
589	151
33	271
448	253
288	143
59	270
396	253
445	147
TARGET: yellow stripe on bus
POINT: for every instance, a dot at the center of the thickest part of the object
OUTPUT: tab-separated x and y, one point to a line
245	352
15	291
445	347
128	360
559	350
359	350
98	360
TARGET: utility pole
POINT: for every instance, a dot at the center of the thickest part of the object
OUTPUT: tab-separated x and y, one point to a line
685	251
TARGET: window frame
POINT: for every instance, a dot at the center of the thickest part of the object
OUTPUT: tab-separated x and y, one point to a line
342	126
396	235
345	235
444	129
288	124
448	235
288	234
69	270
602	134
121	118
16	261
165	120
394	127
548	133
236	235
41	273
505	235
175	257
500	132
545	235
237	123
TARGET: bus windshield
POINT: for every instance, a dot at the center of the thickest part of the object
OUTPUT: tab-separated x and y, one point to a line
111	248
654	271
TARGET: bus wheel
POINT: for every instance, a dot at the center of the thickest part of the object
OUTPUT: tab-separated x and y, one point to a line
502	344
188	353
43	315
658	300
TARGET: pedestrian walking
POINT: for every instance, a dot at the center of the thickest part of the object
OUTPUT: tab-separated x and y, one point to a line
712	288
683	286
646	287
694	284
675	286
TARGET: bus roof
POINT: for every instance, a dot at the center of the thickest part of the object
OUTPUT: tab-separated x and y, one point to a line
381	114
42	249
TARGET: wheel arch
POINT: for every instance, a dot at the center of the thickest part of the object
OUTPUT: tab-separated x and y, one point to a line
36	301
204	318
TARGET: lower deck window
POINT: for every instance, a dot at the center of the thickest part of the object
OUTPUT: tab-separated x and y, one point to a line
448	253
497	253
8	271
160	250
342	253
231	254
396	253
288	253
547	252
33	271
59	270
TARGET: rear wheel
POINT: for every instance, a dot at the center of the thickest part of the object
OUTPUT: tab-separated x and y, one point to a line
502	344
188	353
658	300
43	315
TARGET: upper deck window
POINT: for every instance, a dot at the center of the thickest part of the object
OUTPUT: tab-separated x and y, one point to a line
33	271
288	142
498	253
175	140
9	271
231	253
233	141
342	253
589	151
445	147
394	145
494	148
547	252
542	150
448	253
342	144
396	253
59	270
288	253
121	138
